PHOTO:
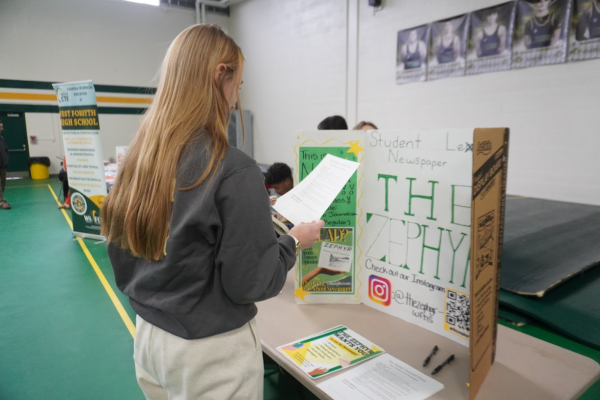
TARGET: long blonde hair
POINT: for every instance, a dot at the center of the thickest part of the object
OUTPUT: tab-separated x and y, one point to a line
189	101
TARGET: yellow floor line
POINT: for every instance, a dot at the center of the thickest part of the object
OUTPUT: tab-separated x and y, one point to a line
124	316
63	210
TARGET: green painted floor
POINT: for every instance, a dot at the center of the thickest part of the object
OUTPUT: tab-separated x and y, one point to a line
61	336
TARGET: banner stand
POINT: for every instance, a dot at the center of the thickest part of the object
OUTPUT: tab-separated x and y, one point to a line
83	153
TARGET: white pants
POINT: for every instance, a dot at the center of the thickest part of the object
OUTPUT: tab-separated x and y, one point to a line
220	367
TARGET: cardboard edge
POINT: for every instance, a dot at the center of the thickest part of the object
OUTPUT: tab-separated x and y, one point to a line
479	370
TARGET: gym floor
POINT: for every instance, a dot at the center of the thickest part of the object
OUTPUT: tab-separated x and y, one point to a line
66	330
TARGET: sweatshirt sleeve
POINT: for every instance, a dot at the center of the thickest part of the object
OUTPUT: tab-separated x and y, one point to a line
252	260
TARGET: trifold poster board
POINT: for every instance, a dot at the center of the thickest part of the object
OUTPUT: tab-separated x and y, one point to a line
83	151
416	232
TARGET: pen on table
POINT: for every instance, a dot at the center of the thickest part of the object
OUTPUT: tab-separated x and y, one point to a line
439	367
435	349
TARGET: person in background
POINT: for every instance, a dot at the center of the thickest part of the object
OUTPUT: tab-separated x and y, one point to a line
365	126
588	26
333	123
3	165
279	176
491	38
447	45
413	52
192	243
544	28
64	180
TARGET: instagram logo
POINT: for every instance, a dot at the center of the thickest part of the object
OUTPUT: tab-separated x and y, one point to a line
380	290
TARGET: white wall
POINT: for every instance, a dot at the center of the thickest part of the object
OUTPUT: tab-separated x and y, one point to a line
296	74
295	68
115	130
222	20
111	42
46	128
550	110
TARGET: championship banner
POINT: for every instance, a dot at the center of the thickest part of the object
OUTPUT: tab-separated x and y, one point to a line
411	55
490	41
541	32
448	48
83	152
584	35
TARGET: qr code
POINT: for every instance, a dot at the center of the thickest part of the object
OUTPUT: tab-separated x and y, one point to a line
458	306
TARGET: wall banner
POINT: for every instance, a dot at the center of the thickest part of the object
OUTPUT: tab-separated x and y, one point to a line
411	54
541	33
490	41
584	36
448	47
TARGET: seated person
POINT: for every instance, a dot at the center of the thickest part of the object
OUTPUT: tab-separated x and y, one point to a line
279	177
64	179
333	123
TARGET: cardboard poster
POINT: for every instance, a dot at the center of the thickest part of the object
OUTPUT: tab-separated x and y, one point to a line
411	54
584	35
83	152
448	47
417	227
426	213
490	40
541	32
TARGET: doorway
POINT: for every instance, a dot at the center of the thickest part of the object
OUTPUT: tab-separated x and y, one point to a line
15	135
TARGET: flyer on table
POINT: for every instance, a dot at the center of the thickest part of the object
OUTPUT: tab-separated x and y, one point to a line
384	378
330	351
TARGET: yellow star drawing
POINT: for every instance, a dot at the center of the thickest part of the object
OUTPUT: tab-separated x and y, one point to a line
300	293
355	148
298	137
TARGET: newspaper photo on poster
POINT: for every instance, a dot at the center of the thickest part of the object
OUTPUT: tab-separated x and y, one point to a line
411	54
584	35
448	48
540	32
328	266
490	39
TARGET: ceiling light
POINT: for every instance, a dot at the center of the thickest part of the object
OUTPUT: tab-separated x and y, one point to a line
149	2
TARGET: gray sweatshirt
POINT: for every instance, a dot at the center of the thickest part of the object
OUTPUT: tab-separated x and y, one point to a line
222	252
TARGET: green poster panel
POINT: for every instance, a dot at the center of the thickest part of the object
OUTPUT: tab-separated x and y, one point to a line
328	267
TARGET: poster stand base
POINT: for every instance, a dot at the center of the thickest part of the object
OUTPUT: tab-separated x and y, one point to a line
101	238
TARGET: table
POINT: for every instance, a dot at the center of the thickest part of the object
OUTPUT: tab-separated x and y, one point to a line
525	367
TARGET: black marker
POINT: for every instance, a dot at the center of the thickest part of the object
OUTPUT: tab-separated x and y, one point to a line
435	349
439	367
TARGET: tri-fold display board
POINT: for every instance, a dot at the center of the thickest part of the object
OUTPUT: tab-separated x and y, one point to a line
416	232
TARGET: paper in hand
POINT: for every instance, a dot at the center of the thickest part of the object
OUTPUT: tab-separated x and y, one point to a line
309	200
